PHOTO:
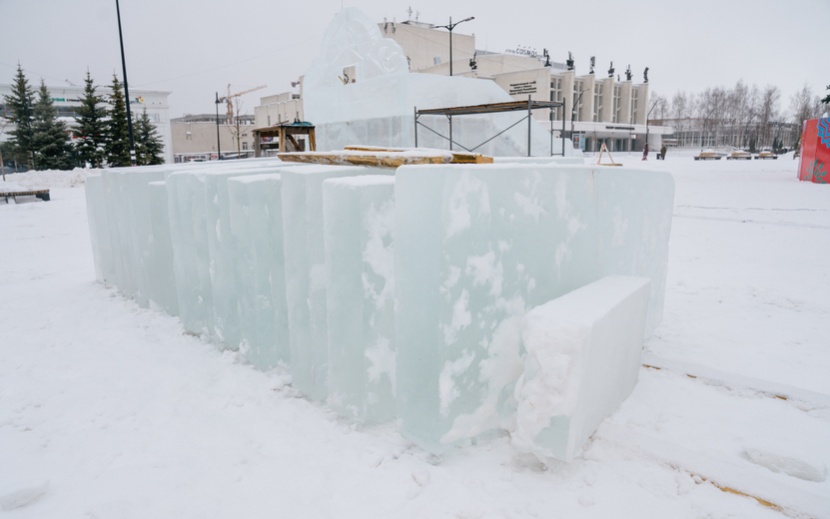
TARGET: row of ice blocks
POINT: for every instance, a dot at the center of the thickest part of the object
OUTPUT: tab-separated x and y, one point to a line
386	293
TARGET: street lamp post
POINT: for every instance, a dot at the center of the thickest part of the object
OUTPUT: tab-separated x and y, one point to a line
126	87
218	145
450	26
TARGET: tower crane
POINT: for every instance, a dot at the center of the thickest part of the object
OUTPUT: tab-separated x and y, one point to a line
230	97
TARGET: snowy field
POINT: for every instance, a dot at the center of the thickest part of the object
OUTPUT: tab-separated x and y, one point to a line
110	411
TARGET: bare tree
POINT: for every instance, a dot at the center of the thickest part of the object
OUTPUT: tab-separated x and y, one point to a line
768	113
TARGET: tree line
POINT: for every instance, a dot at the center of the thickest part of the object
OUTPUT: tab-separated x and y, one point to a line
742	116
41	140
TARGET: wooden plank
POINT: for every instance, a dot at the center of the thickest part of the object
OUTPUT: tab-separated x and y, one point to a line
458	157
356	158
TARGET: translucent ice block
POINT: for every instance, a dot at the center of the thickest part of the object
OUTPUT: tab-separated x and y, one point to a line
475	247
358	216
162	279
191	261
256	223
305	276
99	233
583	356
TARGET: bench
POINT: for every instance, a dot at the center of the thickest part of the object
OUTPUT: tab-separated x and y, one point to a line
43	194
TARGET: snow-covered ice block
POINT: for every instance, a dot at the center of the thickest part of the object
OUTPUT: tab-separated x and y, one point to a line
256	224
358	216
582	359
162	279
305	276
475	247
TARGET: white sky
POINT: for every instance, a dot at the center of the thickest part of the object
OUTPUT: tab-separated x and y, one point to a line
193	49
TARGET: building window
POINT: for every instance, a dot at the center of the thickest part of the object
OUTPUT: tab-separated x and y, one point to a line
245	146
635	105
597	101
577	100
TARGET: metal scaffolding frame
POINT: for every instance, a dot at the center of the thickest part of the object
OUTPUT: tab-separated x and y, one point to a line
514	106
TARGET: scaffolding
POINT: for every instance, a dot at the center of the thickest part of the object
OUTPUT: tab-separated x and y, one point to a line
514	106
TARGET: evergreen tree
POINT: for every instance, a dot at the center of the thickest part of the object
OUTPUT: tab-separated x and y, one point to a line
20	111
826	100
117	148
148	145
91	126
50	137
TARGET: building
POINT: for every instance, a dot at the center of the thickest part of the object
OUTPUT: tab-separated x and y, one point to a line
195	137
66	100
599	108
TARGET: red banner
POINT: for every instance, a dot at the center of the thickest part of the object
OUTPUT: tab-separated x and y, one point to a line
814	161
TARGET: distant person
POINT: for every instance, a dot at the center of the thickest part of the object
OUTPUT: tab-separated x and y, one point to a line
663	152
645	152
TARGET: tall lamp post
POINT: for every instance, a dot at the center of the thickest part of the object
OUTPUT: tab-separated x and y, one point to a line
126	87
450	26
218	145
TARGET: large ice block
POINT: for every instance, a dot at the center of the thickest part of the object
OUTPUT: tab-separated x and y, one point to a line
162	278
142	235
99	232
583	356
358	218
191	262
256	224
305	276
125	199
475	247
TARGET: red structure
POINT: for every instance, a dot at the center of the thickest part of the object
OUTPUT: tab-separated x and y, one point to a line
814	161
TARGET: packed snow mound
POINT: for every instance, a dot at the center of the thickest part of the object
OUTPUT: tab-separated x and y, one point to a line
46	179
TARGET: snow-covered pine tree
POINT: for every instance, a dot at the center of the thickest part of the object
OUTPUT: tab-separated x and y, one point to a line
148	145
20	111
91	126
50	137
117	147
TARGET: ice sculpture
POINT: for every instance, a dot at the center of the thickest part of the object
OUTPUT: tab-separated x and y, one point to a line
475	247
375	104
305	271
358	218
582	359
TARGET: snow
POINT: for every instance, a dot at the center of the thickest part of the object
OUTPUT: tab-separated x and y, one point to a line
112	410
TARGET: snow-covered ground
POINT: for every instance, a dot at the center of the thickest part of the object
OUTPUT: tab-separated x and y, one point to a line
108	410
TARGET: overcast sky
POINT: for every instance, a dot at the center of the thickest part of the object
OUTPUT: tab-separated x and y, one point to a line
196	48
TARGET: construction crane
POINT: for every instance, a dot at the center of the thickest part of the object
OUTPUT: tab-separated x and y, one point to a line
229	99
